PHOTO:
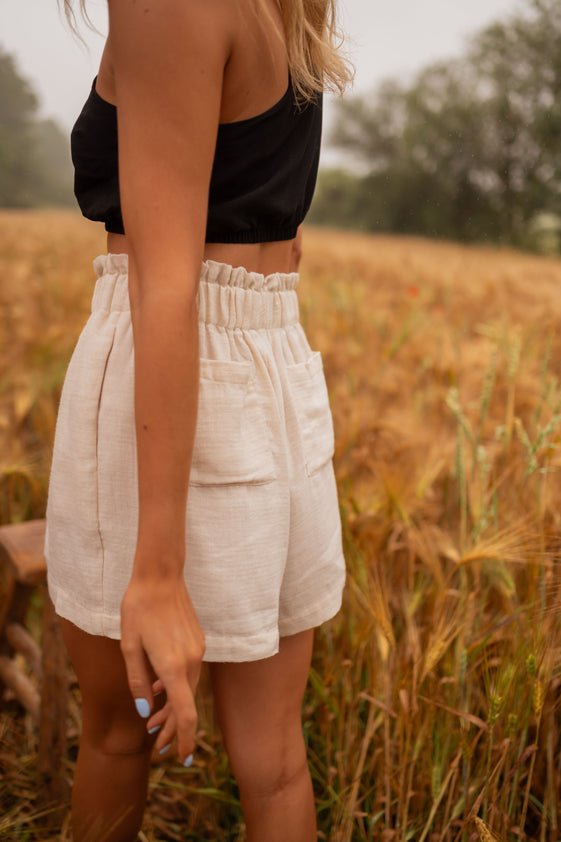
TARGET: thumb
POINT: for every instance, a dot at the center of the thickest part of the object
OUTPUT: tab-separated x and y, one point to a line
138	676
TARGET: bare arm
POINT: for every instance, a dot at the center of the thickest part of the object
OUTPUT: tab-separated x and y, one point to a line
169	58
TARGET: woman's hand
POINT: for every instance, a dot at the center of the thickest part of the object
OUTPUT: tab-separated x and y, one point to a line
161	633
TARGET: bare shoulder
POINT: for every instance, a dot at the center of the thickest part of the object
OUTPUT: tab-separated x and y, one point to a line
182	33
168	60
169	13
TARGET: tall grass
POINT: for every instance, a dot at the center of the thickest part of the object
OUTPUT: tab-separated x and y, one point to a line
431	712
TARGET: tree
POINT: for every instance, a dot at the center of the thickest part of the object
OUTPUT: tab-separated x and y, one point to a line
34	159
520	93
471	150
18	105
54	185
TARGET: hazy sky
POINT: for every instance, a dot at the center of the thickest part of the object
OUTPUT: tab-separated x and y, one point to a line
387	38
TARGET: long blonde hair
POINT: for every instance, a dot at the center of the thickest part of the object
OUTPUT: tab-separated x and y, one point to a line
314	47
313	42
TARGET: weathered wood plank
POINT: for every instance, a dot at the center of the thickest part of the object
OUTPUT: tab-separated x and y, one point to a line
54	706
20	640
21	545
23	688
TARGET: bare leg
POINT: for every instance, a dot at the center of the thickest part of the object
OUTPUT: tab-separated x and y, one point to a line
111	779
259	710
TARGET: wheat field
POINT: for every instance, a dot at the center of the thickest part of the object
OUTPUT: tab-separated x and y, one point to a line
432	711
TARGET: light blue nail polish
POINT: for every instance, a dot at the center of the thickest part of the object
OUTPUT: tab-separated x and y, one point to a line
142	707
164	749
188	760
154	729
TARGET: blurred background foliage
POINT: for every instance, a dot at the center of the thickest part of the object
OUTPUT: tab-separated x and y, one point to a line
35	167
470	150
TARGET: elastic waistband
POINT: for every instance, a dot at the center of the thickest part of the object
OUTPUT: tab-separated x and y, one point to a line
228	296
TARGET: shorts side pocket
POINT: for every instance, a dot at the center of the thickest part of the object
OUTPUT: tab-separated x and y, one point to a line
232	443
309	390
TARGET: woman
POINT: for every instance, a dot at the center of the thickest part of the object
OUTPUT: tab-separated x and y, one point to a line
218	109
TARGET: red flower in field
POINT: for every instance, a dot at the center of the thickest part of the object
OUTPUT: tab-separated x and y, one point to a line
413	291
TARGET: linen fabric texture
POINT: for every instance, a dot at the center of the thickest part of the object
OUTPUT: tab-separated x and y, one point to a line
263	553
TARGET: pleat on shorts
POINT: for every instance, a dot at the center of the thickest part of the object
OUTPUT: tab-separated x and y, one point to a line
263	557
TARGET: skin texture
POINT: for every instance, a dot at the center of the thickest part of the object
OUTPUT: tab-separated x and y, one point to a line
258	708
175	70
166	140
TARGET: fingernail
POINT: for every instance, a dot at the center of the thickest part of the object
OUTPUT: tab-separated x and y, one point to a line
154	729
142	707
188	760
164	749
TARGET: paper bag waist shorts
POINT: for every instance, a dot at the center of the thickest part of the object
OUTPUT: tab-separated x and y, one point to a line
263	556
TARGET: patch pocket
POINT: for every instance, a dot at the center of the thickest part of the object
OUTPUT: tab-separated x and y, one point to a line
232	443
309	390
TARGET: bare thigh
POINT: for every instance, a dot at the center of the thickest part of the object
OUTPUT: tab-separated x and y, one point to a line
258	706
109	718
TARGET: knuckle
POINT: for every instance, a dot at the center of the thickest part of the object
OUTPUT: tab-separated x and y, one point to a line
195	658
166	667
190	719
187	717
127	648
199	649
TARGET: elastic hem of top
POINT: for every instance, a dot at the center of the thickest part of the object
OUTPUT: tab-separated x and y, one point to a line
265	235
110	227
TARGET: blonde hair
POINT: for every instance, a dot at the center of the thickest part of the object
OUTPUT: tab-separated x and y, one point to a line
314	47
313	43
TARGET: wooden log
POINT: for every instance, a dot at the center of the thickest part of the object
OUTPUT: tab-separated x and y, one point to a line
21	545
54	705
7	589
23	688
22	567
20	639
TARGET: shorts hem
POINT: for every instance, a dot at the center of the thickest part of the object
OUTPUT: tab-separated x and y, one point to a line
92	622
315	616
222	649
219	648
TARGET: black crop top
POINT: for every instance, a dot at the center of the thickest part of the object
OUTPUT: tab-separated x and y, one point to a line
263	175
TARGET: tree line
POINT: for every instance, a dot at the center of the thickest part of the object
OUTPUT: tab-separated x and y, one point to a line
35	166
470	150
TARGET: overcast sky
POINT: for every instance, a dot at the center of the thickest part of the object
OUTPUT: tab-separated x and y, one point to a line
387	38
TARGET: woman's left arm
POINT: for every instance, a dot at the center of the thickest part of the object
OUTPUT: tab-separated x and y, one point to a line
168	58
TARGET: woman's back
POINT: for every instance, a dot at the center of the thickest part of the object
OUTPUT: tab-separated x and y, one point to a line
255	79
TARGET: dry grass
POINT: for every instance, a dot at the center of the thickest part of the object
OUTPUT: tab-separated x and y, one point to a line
432	707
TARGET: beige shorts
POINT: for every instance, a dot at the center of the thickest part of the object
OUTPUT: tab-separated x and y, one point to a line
264	555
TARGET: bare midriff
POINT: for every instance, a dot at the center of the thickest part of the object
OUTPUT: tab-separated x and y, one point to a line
265	258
